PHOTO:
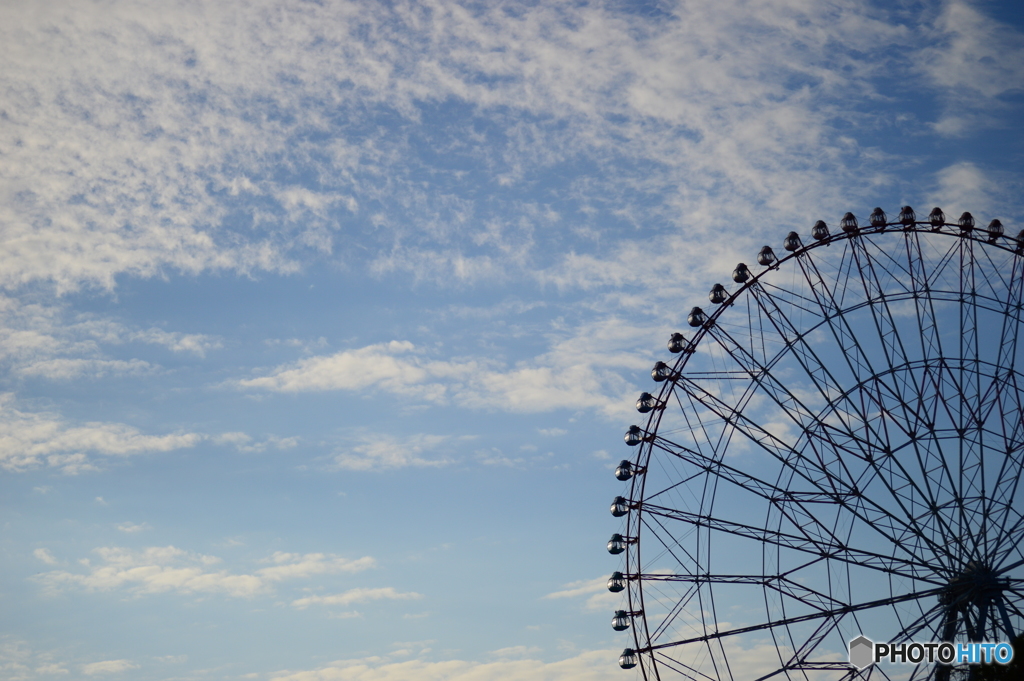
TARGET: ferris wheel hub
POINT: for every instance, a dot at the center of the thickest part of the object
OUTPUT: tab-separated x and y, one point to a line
976	583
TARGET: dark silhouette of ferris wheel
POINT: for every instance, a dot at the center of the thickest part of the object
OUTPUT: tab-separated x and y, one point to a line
835	450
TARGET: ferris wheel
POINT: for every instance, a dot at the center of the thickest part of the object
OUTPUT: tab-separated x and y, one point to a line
836	450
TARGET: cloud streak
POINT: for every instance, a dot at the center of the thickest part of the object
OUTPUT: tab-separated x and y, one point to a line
384	452
583	371
108	667
161	569
28	440
356	596
592	665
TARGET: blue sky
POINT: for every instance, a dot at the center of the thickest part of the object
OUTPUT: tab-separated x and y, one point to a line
321	323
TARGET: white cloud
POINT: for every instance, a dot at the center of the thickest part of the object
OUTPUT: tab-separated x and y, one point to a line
599	599
160	569
973	55
123	164
390	365
515	651
28	440
590	666
976	61
48	341
356	596
63	369
494	457
245	443
963	187
296	566
195	343
384	451
593	665
45	556
108	667
579	372
51	669
133	528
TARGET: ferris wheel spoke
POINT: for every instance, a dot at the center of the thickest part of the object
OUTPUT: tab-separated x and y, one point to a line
886	467
745	481
831	310
1005	494
788	499
927	321
931	460
686	670
1004	398
885	397
779	583
893	351
916	506
817	666
968	380
853	354
679	604
817	474
799	662
927	620
910	568
834	613
909	400
734	417
1012	606
1004	620
1009	546
671	545
697	427
796	341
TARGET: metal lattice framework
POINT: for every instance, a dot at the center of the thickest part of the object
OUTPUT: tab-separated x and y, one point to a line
836	450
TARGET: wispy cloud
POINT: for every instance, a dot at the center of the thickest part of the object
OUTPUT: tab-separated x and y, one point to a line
356	596
579	372
133	528
590	666
194	343
108	667
32	439
167	165
49	341
63	369
383	451
976	60
167	568
295	566
246	443
598	598
390	365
